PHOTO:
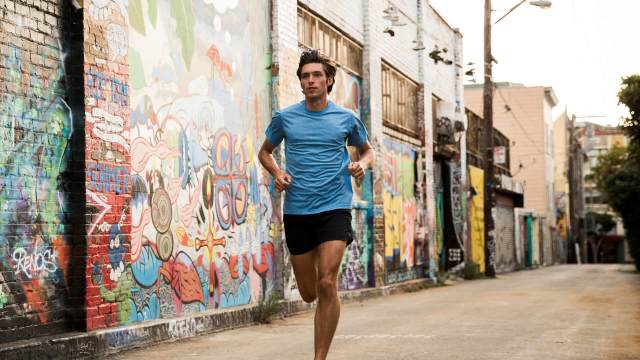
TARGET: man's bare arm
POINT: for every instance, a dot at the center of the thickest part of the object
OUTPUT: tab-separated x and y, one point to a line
282	179
365	160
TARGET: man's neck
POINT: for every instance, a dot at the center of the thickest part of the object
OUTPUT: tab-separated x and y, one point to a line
316	104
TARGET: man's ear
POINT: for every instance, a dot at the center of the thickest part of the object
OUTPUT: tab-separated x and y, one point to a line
330	81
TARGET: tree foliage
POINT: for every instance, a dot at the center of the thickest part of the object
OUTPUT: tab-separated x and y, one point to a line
603	222
617	174
608	164
629	95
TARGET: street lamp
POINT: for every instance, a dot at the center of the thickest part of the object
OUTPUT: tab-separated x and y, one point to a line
539	3
487	113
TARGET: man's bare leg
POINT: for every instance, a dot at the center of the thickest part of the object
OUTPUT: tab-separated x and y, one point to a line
304	268
328	310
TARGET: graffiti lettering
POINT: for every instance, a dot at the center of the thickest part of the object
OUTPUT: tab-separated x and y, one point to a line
107	127
117	40
415	272
31	264
108	178
101	85
35	128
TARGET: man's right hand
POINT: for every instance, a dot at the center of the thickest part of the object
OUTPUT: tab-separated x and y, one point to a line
283	180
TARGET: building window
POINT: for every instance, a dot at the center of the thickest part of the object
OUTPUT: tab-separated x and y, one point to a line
399	101
474	138
315	33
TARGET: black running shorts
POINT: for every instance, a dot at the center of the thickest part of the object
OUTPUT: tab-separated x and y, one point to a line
304	232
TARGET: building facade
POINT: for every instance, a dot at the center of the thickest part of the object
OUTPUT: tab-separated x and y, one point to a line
596	140
562	195
508	195
130	186
523	114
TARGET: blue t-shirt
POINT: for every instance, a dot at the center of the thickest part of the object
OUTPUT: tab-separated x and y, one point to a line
316	155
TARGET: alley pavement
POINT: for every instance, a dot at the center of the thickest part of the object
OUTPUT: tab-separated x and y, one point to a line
561	312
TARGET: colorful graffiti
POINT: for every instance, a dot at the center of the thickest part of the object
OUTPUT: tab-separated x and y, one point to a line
107	164
453	216
399	202
202	217
458	202
476	216
347	91
35	128
356	270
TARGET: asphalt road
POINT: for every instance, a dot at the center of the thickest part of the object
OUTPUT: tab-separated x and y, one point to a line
561	312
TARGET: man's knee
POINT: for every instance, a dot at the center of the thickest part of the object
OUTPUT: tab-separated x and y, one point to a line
328	285
308	295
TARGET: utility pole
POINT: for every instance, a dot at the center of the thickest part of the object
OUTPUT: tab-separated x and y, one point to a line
487	113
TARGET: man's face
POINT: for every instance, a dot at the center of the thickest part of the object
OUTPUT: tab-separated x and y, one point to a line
314	81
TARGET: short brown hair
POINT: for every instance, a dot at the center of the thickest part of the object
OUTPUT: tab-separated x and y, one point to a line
315	56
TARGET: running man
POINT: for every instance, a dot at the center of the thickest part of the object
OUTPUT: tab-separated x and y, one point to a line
317	180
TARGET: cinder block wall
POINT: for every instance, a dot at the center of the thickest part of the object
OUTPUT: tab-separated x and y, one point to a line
41	281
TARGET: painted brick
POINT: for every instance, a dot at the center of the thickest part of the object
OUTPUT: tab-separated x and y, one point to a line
99	84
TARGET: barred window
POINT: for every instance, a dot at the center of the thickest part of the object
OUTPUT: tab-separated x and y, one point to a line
399	101
315	33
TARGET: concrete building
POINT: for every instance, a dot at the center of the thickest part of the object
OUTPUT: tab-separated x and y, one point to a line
561	131
509	246
561	150
596	140
523	114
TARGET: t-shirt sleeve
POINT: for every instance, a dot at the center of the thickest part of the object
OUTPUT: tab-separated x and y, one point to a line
358	134
275	130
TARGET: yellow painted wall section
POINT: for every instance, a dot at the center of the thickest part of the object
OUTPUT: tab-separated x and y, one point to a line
476	212
392	222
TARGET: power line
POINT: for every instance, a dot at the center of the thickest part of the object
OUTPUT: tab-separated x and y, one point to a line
540	152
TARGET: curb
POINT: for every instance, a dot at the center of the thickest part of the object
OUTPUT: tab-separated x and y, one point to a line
100	343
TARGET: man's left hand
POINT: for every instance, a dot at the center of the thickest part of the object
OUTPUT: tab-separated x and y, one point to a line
356	170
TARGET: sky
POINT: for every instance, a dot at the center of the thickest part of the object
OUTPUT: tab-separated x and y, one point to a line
581	48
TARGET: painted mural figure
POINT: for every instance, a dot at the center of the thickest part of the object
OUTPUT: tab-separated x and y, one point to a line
317	180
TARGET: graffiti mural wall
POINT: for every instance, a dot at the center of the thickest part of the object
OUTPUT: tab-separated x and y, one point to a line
400	208
476	216
107	163
356	270
450	215
35	128
182	213
202	216
347	91
458	211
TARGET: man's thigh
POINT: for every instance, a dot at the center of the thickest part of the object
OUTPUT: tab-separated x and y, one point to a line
304	268
330	255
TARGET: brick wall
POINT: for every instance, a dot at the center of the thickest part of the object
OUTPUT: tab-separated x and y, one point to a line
115	151
108	159
39	286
